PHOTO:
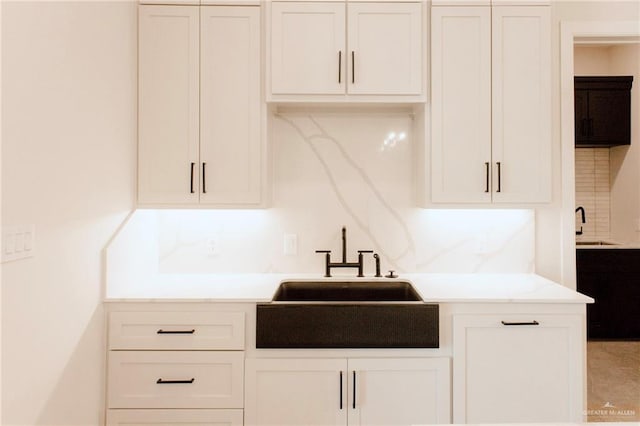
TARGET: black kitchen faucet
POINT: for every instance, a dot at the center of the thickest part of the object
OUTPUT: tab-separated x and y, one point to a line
344	264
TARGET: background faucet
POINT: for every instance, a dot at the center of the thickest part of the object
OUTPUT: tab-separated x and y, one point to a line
581	210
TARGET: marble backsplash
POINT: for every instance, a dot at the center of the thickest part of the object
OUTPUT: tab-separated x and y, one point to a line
331	169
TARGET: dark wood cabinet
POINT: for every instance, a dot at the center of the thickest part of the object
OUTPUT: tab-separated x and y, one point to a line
602	111
612	278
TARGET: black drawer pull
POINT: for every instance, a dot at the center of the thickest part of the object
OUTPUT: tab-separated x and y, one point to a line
354	390
341	389
161	331
174	382
520	323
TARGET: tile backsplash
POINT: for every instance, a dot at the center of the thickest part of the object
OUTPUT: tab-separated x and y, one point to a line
593	192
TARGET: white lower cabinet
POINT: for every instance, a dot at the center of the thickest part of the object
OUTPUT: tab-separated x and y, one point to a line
517	368
380	391
175	364
177	379
174	417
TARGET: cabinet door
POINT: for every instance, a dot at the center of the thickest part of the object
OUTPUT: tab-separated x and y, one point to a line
168	107
308	48
609	117
521	67
230	139
385	46
506	371
174	417
399	391
581	117
461	104
296	392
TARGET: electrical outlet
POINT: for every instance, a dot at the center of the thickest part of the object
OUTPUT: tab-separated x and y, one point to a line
213	246
290	244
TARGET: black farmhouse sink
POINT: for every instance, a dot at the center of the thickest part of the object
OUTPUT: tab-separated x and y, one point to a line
347	314
346	291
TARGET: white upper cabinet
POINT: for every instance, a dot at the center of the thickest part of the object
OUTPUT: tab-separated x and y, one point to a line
461	104
230	148
199	106
521	65
385	48
332	51
491	101
308	48
168	102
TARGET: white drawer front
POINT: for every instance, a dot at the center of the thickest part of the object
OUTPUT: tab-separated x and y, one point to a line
176	330
168	379
174	417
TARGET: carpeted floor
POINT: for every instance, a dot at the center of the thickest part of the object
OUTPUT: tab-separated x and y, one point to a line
613	381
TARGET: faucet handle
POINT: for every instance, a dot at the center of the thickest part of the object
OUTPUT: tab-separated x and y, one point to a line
365	251
323	251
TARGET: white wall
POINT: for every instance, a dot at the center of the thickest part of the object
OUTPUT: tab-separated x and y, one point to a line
625	160
555	250
68	164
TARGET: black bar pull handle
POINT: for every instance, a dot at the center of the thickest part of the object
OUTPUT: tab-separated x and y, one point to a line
192	166
204	178
499	176
354	389
161	331
583	126
340	67
175	382
486	166
353	67
590	127
341	390
520	323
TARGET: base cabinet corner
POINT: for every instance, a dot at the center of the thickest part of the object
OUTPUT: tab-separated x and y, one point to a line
518	368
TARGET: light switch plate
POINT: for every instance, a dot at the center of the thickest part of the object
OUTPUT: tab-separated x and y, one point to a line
18	242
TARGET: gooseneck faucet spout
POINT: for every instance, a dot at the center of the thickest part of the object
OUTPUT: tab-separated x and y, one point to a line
582	216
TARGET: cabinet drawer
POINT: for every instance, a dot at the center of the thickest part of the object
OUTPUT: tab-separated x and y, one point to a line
176	330
170	379
174	417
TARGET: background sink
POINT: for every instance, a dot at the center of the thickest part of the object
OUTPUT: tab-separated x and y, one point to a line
346	291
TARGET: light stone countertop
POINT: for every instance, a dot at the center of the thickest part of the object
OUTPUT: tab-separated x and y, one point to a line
441	288
609	244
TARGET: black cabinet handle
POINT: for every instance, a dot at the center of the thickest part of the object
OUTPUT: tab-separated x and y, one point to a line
353	67
486	165
204	178
499	176
340	67
175	382
520	323
161	331
590	127
354	390
583	127
341	390
192	166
